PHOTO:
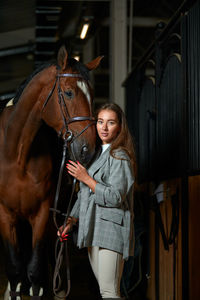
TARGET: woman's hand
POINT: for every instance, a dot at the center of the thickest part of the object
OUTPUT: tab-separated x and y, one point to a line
63	231
77	170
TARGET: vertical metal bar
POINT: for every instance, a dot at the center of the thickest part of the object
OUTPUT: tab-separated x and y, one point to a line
130	37
118	50
184	155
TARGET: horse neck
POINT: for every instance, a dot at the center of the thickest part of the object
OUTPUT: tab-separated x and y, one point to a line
25	120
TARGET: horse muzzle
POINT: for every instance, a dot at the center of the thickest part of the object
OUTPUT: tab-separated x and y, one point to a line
81	151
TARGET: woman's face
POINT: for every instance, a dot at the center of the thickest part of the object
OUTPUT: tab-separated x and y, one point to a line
108	126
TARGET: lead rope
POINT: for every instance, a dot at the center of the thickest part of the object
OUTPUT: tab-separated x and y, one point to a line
61	244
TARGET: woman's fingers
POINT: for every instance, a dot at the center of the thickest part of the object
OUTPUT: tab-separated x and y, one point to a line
63	231
60	231
77	170
73	163
72	166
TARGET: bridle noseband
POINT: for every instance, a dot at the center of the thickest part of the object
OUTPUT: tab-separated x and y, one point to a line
68	135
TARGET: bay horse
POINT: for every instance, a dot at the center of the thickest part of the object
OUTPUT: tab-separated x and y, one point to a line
57	96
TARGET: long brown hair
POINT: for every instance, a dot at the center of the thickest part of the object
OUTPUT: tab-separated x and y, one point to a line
124	139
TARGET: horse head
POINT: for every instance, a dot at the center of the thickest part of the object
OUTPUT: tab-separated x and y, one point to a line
70	109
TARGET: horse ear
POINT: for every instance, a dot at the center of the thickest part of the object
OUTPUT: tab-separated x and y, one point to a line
94	63
62	57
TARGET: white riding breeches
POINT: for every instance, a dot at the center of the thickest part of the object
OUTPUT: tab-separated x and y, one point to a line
107	266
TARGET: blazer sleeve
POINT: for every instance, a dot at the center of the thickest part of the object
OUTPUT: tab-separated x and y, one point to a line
113	192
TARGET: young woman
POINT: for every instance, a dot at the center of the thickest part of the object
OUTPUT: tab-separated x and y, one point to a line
104	207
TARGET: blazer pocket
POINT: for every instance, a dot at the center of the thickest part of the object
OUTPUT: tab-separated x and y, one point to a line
108	215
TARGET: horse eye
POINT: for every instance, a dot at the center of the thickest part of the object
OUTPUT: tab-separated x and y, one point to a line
69	94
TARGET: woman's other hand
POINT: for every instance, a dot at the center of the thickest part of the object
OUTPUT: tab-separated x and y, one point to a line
63	231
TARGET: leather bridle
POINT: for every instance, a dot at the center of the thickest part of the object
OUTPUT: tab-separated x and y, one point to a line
69	138
64	111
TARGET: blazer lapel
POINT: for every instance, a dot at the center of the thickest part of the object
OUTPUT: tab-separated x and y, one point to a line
97	164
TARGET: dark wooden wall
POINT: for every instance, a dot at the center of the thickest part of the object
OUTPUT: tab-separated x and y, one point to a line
163	111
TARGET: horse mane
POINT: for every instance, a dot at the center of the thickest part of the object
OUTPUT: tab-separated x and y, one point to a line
28	79
72	63
75	65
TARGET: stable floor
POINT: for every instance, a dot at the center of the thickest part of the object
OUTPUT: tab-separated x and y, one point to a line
83	283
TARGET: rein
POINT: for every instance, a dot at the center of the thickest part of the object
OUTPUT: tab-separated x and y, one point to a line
69	138
61	249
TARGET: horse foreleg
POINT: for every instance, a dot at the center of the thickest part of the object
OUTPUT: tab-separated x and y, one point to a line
13	263
36	266
10	294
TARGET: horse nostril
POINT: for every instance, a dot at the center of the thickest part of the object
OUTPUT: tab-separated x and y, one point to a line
84	150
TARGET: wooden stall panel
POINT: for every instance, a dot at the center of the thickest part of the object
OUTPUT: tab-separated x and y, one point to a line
170	261
193	236
165	282
151	292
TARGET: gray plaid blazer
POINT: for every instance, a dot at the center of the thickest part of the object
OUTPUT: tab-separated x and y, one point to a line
106	216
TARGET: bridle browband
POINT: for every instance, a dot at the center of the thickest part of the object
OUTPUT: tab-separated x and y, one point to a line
68	139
